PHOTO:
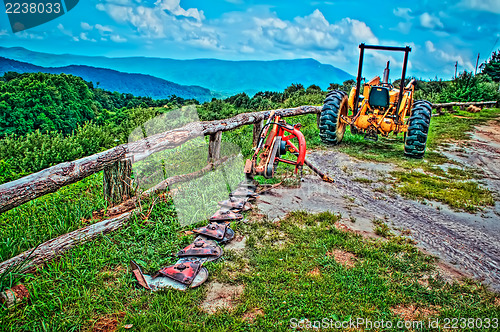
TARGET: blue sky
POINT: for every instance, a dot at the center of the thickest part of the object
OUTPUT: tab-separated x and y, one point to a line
439	32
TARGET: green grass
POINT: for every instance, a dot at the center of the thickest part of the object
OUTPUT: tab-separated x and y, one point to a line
297	279
381	228
47	217
462	195
363	180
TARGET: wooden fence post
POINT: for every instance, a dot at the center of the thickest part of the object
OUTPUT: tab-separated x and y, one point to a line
257	127
318	116
214	147
117	181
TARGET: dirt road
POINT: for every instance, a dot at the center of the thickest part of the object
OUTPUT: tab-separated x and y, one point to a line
468	242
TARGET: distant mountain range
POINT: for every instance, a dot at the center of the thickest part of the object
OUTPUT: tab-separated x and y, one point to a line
220	76
112	80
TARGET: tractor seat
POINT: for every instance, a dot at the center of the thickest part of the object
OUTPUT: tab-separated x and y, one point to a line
379	96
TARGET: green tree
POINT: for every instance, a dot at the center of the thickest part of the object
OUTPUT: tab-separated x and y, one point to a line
294	88
46	102
468	87
492	67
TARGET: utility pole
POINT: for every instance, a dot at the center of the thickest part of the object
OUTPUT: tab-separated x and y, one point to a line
477	62
456	66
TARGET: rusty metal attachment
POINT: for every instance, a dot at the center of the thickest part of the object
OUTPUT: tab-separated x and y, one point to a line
233	203
139	276
274	144
201	248
183	272
323	175
225	215
158	281
213	230
220	232
236	204
244	193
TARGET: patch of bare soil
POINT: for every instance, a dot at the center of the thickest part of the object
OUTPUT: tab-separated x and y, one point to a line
108	323
237	244
314	272
221	296
21	292
413	312
469	242
252	314
344	258
482	151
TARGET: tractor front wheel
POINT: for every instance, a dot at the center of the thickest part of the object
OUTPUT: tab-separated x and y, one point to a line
331	129
418	128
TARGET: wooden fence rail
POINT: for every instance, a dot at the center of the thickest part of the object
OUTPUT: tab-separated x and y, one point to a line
50	180
449	106
116	162
117	217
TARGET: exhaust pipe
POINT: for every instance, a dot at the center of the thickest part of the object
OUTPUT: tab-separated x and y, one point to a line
386	74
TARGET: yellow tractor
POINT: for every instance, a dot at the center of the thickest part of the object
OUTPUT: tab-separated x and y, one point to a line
378	109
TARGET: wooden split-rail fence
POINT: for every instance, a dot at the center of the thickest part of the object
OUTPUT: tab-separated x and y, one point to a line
117	166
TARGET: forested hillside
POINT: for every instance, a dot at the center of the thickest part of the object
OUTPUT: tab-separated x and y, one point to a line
112	80
46	119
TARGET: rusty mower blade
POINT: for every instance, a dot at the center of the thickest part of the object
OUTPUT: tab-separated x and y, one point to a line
183	272
212	230
244	193
207	250
236	204
250	185
139	276
222	233
225	215
159	281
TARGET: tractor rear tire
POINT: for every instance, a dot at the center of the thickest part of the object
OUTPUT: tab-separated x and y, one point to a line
418	129
331	129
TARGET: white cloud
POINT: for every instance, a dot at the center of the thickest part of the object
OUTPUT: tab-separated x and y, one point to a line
312	31
403	13
173	6
86	26
118	39
441	60
430	21
103	28
165	18
492	6
85	36
430	46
